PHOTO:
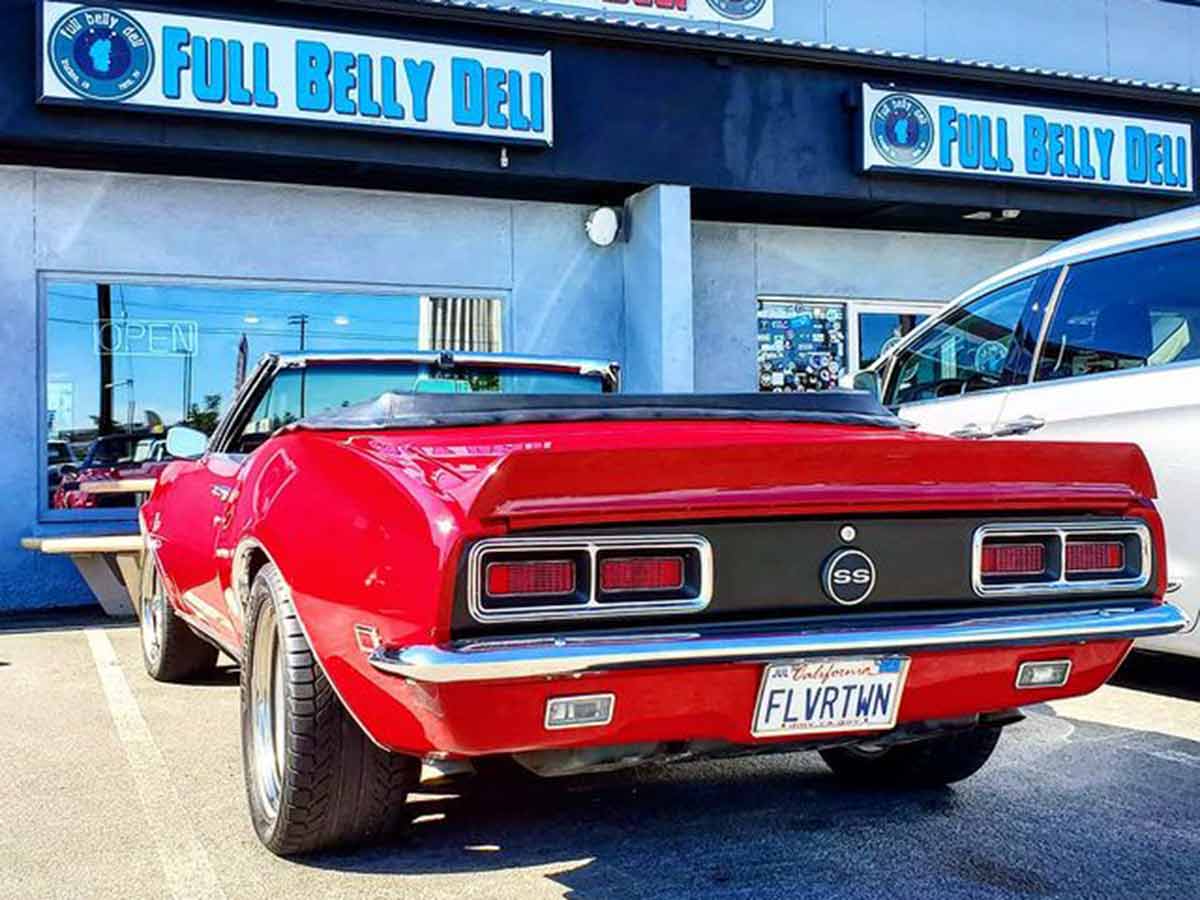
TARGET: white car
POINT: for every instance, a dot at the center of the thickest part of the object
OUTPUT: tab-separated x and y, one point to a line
1098	339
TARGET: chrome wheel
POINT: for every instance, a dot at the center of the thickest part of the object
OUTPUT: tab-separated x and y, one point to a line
153	617
267	711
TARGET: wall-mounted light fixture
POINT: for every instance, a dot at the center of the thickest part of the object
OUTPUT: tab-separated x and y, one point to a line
603	226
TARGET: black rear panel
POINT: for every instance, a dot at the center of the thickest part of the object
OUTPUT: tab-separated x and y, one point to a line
773	569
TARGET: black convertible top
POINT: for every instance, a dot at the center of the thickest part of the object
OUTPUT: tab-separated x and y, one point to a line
390	411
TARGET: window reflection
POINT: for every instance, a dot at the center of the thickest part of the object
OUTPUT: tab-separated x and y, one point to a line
966	351
1126	312
126	361
879	332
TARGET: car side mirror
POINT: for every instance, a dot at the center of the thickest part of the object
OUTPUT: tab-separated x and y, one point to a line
186	443
867	381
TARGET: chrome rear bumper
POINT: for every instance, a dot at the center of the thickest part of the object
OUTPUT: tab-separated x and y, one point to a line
511	658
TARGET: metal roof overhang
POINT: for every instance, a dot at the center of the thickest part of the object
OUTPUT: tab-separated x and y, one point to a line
711	40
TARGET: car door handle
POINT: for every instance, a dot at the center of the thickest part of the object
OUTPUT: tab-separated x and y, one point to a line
971	432
221	492
1023	425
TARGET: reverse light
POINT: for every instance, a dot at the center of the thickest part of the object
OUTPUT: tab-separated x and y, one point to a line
1050	673
1095	556
1013	559
641	573
538	578
579	712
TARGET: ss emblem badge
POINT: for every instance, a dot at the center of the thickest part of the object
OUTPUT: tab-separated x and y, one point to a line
848	577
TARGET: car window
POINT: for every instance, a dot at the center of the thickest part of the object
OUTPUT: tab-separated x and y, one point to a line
1126	312
880	331
296	393
966	351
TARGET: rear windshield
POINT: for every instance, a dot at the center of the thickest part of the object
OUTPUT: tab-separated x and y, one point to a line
327	387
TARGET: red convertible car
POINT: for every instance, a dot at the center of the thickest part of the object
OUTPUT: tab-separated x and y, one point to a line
493	559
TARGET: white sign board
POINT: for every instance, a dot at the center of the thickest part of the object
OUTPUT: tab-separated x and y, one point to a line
744	13
941	135
128	57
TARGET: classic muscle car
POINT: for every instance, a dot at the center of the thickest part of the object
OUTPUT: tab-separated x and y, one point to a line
502	560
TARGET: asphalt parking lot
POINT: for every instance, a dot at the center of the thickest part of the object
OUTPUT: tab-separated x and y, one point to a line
116	786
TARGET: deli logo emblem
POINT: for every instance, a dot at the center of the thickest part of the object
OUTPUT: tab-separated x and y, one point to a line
902	129
848	577
738	9
100	53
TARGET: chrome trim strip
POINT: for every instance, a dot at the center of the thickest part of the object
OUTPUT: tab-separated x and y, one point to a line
1061	530
543	657
591	545
1051	309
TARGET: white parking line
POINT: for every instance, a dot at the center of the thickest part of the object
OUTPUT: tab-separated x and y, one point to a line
184	861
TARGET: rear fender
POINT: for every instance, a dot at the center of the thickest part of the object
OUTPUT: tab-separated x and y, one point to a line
367	557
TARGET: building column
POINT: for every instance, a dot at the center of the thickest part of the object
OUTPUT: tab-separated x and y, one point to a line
658	292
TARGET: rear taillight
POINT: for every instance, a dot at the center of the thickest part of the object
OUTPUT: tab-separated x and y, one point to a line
1014	559
1095	556
647	573
541	578
1034	558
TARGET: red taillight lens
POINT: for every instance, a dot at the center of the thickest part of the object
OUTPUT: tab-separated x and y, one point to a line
1013	559
1095	556
641	573
541	578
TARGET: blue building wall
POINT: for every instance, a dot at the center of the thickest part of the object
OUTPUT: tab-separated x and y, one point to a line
733	265
562	293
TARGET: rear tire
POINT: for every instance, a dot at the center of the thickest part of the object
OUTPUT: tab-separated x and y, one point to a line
171	651
314	779
931	762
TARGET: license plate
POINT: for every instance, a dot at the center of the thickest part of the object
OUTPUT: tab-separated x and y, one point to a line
829	695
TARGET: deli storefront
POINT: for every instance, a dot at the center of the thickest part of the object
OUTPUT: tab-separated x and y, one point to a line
189	185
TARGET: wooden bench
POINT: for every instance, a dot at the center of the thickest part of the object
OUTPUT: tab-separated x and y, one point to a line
111	564
119	486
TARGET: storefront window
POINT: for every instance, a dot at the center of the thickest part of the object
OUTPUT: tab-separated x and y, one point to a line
801	345
126	361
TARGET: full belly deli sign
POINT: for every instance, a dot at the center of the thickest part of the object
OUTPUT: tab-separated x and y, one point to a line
107	56
942	135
